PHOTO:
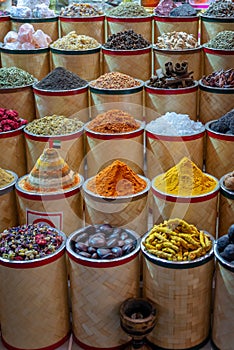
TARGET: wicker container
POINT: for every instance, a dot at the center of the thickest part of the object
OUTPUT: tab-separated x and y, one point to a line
5	26
211	26
71	148
219	152
181	100
13	155
8	209
200	210
164	152
141	25
214	102
222	330
125	211
130	100
102	149
39	316
70	103
215	60
62	210
48	25
96	295
35	62
181	292
136	63
91	26
226	208
193	56
88	67
21	99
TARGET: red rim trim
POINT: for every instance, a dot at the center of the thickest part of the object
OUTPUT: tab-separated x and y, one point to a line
12	133
176	19
82	19
39	197
218	52
114	136
88	347
220	136
179	91
126	52
5	18
47	138
175	138
59	93
185	199
129	20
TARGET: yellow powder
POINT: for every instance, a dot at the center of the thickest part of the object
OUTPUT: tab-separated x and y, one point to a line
5	178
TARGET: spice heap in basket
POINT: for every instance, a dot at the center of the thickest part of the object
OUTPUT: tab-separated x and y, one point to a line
74	41
228	181
173	9
223	41
32	9
115	80
128	9
176	240
176	41
221	79
5	178
225	245
225	124
11	77
126	40
220	8
9	120
81	10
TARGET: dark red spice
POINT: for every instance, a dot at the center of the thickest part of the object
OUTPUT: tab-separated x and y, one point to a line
9	120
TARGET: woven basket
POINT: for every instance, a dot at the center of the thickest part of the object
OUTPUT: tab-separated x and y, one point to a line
62	210
181	292
8	209
126	211
219	152
226	208
200	210
167	24
214	102
70	103
71	148
192	56
215	60
91	26
102	149
89	61
35	62
39	316
140	25
210	26
21	99
96	295
222	330
164	152
5	26
159	101
48	25
136	63
13	155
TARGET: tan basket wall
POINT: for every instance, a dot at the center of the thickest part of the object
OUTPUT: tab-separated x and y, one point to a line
183	303
222	330
39	315
20	99
226	214
215	62
5	27
210	29
8	210
96	295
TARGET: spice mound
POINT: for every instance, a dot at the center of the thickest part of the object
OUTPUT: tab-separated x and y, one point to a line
61	79
81	10
113	121
128	9
29	242
225	245
221	79
184	10
223	41
11	77
50	174
54	125
73	41
228	181
164	7
103	242
6	178
177	240
220	8
185	179
9	120
126	40
117	179
176	41
115	81
225	124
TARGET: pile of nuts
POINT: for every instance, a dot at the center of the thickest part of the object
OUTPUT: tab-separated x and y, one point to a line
176	41
80	10
221	79
73	41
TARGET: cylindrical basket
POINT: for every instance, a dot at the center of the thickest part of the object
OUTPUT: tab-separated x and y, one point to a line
210	26
181	292
215	60
39	316
71	148
21	99
136	63
35	62
219	152
102	149
13	155
5	26
62	210
125	211
85	63
226	208
92	26
8	209
70	103
181	100
200	210
222	329
164	152
214	102
141	25
96	295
